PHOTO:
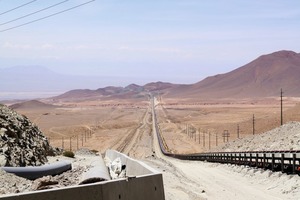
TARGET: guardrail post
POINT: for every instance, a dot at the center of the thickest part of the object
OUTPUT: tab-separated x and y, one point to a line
256	159
264	162
282	162
294	163
273	161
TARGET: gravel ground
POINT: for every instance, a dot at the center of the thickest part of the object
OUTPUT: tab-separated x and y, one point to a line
80	164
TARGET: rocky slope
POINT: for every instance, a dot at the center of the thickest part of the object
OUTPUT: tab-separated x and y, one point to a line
285	137
21	142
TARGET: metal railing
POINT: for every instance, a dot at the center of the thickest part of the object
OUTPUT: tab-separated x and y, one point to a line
284	161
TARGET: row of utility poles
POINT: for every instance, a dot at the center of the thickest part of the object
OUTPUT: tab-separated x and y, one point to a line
79	140
201	137
193	134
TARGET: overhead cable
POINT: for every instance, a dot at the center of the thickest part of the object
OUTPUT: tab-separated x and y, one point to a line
48	16
18	7
33	13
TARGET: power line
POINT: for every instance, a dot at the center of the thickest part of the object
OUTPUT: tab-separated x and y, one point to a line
33	13
48	16
18	7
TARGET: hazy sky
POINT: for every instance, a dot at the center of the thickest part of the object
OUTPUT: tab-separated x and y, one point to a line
179	41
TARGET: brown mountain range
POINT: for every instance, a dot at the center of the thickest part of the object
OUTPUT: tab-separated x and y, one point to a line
131	91
263	77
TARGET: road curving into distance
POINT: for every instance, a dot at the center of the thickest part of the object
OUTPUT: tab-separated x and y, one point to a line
216	181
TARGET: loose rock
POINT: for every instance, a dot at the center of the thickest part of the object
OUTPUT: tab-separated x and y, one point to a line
21	142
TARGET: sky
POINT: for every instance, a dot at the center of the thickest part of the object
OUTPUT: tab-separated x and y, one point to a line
137	41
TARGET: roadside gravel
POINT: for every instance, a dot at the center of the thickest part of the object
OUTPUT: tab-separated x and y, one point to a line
285	137
80	164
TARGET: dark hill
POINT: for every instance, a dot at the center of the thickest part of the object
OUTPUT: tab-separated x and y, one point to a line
33	104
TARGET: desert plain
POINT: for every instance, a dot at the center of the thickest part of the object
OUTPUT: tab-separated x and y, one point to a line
187	126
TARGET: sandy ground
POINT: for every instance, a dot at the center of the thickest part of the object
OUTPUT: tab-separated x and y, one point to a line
128	128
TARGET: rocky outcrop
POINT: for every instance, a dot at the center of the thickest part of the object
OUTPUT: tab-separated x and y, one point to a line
21	142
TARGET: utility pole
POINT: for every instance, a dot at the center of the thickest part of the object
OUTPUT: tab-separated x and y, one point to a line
281	112
203	139
70	143
186	129
238	131
253	126
209	140
77	143
81	139
199	135
225	135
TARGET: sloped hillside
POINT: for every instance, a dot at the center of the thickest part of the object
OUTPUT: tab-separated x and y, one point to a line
285	137
263	77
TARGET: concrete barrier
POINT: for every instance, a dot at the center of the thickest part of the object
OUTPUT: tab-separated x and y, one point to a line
143	183
133	167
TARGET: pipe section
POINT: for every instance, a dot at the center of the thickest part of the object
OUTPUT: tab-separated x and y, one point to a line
39	171
98	172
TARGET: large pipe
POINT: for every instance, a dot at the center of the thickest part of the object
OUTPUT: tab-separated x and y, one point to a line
97	172
39	171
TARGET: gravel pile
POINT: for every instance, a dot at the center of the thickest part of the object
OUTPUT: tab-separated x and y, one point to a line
285	137
21	142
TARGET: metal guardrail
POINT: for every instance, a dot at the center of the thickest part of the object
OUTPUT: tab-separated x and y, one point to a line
284	161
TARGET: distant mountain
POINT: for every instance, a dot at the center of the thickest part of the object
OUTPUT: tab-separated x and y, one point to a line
131	91
263	77
157	86
41	79
29	78
33	104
